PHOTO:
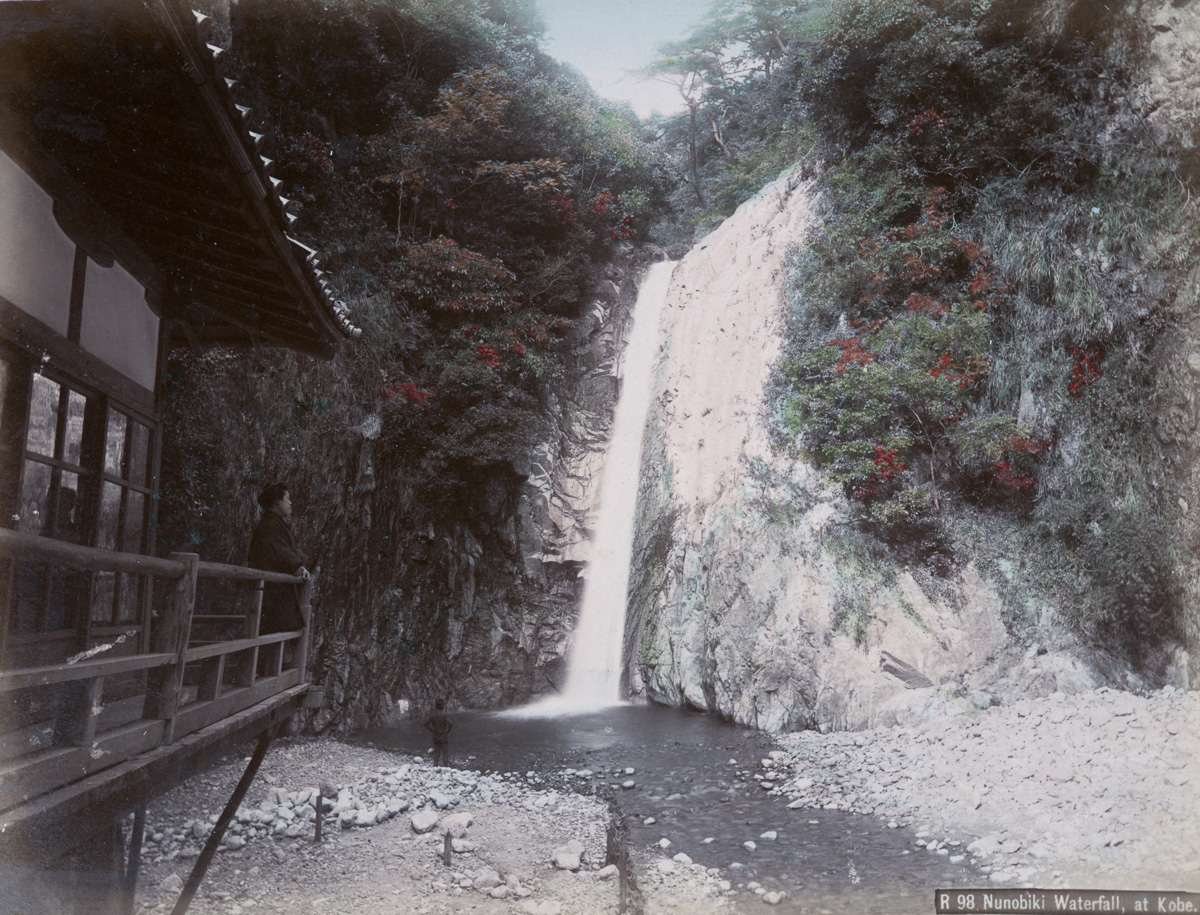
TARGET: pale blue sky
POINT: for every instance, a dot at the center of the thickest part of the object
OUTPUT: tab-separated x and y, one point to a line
606	39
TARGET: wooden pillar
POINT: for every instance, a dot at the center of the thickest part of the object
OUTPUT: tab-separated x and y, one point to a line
248	662
76	724
171	636
133	859
306	615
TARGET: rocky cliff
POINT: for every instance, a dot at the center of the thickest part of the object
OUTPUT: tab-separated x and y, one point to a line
752	596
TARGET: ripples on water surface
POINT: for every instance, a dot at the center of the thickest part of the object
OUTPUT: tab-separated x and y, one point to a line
826	860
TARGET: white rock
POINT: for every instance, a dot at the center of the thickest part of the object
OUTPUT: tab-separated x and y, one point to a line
568	857
750	845
666	867
683	859
664	842
772	898
770	834
457	824
172	883
486	878
985	846
424	821
606	872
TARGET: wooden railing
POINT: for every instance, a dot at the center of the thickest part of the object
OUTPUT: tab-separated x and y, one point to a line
181	685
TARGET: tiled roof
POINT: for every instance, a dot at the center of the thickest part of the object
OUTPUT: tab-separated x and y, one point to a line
122	110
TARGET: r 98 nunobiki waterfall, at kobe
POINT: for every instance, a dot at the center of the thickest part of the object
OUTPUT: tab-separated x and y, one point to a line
593	678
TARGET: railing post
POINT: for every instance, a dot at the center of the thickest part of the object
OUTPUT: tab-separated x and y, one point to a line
247	665
305	614
77	723
172	636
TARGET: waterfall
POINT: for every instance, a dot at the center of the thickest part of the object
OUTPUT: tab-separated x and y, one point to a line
593	677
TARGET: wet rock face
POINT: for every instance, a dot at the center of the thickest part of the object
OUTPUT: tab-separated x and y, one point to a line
511	646
489	600
751	596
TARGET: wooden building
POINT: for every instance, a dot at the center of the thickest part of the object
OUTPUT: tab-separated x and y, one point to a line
137	212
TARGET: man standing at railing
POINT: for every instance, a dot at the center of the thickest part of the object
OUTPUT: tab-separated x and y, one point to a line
273	549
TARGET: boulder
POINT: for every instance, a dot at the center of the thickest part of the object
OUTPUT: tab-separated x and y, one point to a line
486	878
568	857
424	821
456	824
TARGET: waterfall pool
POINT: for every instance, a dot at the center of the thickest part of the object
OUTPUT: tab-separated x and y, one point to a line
693	774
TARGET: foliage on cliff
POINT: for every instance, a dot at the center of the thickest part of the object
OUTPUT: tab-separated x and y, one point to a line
981	355
465	193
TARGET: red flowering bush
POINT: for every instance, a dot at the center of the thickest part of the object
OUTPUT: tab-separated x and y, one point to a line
1086	369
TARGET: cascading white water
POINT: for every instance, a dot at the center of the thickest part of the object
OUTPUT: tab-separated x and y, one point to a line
593	677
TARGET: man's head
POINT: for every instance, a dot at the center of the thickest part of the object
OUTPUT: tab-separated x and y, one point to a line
440	704
275	497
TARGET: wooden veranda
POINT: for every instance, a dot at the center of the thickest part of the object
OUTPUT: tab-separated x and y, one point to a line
98	733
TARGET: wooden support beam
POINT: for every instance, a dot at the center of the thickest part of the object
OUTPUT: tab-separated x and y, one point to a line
133	860
190	335
214	838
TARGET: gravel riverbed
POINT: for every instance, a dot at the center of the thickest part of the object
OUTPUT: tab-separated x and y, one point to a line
1100	788
1097	789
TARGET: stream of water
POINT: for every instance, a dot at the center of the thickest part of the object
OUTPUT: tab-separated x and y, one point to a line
694	776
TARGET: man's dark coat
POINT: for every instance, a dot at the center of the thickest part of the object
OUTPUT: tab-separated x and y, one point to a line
273	549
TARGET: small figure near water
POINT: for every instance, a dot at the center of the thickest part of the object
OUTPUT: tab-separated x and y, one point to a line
439	725
273	549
